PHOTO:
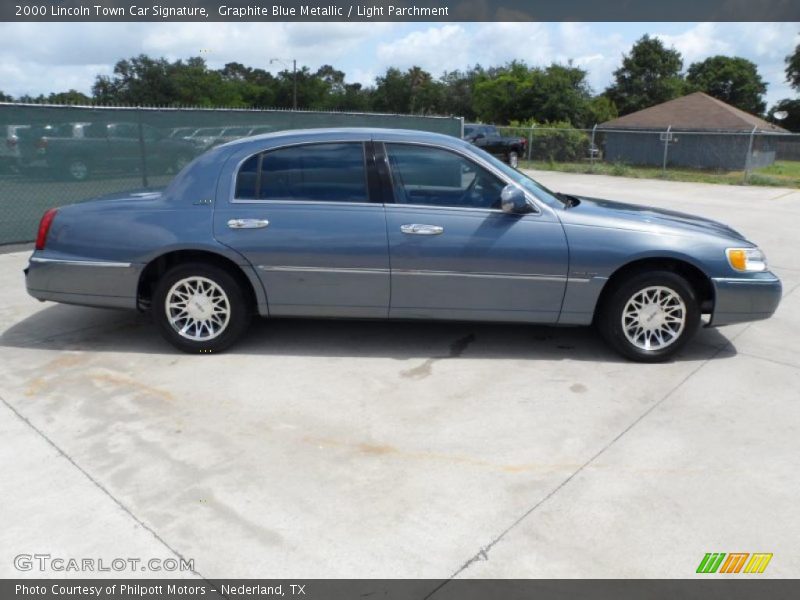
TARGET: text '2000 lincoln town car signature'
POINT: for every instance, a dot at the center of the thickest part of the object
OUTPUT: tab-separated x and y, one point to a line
372	223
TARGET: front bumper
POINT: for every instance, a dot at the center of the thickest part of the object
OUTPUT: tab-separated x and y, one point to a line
737	300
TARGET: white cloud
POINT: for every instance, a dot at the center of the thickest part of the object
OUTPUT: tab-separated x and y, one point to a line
698	42
43	57
766	44
436	49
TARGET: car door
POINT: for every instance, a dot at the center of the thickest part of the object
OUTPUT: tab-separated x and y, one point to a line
303	216
455	254
124	152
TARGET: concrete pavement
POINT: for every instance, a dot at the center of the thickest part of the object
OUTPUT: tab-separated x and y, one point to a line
352	449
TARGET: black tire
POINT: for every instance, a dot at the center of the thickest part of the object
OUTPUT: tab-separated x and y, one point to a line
76	169
513	159
610	315
238	308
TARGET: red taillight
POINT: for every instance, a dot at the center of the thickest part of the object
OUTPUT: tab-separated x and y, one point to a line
44	227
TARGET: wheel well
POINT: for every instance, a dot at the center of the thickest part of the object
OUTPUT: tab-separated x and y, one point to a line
700	282
158	266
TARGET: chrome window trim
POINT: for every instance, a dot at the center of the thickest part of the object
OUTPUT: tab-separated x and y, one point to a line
81	263
537	211
462	208
289	202
234	200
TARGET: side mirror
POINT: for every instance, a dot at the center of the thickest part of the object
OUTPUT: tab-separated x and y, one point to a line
478	136
513	201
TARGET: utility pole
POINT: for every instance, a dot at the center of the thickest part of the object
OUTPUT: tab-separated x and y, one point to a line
294	77
294	87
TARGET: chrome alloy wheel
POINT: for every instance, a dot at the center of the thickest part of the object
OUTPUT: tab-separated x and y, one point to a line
654	318
197	308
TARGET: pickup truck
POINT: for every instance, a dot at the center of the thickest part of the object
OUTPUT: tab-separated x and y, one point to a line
79	151
486	137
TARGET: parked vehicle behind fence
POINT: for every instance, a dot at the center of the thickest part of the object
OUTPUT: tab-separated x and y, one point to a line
78	151
379	223
488	138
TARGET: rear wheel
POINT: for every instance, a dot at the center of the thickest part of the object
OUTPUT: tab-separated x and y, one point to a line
650	316
513	159
200	308
77	169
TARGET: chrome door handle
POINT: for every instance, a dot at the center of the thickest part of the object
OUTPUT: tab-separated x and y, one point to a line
247	223
420	229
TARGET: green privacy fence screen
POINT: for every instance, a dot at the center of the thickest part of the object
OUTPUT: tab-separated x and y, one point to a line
57	155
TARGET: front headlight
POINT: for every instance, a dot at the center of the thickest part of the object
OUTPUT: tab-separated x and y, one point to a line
746	259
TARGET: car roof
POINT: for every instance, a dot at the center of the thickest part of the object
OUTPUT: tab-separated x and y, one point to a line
343	134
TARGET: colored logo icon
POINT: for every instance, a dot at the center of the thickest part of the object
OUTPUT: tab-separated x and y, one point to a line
734	562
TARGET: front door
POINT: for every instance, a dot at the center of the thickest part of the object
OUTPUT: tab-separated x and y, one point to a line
456	255
302	215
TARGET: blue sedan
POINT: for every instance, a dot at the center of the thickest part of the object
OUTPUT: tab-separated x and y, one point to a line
375	223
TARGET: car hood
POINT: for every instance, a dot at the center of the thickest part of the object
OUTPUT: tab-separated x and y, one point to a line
634	216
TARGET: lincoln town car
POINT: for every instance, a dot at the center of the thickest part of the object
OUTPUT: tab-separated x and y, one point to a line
390	224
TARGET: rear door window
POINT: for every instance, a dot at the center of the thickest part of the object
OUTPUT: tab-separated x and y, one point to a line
327	172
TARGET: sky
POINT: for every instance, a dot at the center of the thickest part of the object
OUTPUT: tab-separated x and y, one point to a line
46	57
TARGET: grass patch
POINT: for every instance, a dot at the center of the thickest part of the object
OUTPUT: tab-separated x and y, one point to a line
783	173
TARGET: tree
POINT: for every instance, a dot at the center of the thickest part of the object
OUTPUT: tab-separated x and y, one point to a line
458	90
733	80
412	92
558	93
602	109
793	68
649	75
70	97
5	97
499	95
140	80
256	87
792	109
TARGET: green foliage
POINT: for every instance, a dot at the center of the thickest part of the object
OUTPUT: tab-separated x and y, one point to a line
793	68
5	97
649	75
550	94
602	109
498	94
734	80
413	91
792	108
620	169
551	142
70	97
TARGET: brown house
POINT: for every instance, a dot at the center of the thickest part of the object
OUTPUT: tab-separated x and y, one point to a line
698	131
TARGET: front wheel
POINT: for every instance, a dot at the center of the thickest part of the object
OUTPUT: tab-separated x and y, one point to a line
650	316
200	308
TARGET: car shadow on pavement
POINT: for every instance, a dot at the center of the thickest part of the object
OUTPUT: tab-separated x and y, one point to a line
73	328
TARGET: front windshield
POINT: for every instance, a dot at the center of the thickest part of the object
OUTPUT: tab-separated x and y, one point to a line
534	187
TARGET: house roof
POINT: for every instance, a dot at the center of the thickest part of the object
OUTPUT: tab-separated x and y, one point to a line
696	111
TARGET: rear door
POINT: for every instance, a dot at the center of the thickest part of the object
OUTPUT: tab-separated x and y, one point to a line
304	216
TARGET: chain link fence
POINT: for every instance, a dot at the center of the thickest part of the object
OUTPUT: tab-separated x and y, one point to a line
57	155
753	157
